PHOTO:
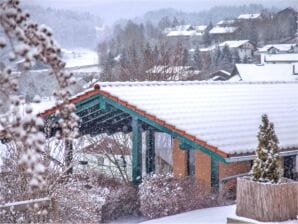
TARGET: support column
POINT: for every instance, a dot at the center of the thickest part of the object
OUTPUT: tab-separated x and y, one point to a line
203	169
150	151
179	159
136	151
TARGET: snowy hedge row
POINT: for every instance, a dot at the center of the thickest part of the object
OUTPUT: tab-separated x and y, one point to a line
163	195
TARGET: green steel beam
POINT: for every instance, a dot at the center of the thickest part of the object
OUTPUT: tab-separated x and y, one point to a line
87	103
156	125
102	103
121	120
136	151
112	118
100	116
90	114
150	151
185	146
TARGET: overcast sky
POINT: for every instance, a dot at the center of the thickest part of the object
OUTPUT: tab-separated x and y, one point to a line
112	10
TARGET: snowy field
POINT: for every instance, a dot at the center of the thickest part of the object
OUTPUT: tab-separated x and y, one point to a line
208	215
79	57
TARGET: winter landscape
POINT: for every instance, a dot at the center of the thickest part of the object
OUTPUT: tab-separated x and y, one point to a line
138	111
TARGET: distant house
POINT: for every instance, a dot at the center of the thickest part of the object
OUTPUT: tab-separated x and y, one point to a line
220	75
107	156
188	35
166	72
249	16
222	33
265	72
286	50
286	21
279	48
243	48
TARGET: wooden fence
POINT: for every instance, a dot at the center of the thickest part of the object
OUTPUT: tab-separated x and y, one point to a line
267	202
32	209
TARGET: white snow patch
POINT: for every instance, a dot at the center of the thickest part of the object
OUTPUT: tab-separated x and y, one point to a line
209	215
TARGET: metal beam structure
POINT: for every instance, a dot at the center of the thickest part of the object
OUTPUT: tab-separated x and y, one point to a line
191	144
136	151
101	114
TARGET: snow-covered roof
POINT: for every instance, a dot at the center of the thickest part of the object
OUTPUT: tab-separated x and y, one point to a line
210	48
281	58
178	28
225	115
184	33
280	47
267	72
183	27
220	75
233	43
222	30
249	16
200	28
185	30
226	22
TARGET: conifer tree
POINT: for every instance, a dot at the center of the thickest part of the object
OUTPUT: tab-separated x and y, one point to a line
266	167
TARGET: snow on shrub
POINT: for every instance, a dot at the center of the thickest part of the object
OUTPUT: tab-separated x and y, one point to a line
163	195
93	198
266	167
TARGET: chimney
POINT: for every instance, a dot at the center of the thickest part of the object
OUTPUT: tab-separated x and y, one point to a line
294	70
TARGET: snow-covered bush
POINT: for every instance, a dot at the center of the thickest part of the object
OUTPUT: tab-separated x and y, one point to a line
266	167
93	198
163	195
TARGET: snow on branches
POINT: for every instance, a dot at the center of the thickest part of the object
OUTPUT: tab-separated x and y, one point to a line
25	42
266	167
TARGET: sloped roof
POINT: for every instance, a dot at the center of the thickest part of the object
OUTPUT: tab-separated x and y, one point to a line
222	30
184	33
266	72
249	16
280	47
233	43
226	22
281	58
223	116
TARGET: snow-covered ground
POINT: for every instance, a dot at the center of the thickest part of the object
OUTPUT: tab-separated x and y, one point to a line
79	57
209	215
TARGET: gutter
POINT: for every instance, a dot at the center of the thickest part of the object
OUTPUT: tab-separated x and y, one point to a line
252	157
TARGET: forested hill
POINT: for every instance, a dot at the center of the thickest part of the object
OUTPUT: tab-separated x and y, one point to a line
213	15
71	29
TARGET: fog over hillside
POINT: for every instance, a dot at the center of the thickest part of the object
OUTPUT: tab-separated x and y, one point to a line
112	10
72	29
